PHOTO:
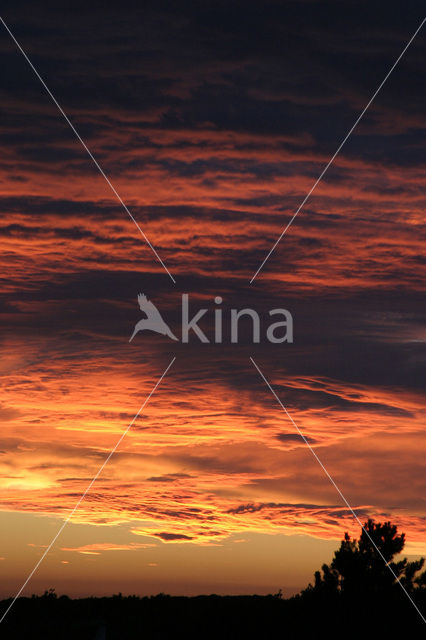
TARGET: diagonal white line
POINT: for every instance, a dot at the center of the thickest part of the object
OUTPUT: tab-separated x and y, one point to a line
98	166
330	162
80	500
337	489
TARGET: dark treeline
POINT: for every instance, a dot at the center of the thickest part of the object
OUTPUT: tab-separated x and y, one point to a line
357	595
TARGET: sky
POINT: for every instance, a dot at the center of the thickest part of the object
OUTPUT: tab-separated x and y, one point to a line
212	120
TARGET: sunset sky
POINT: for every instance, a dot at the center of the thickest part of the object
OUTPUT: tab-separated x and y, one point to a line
212	120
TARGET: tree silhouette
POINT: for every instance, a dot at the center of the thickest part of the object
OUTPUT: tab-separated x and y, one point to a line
358	589
357	569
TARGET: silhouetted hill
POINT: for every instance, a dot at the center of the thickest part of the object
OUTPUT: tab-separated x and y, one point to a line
208	617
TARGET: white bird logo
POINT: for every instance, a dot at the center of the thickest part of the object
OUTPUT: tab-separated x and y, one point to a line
153	320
